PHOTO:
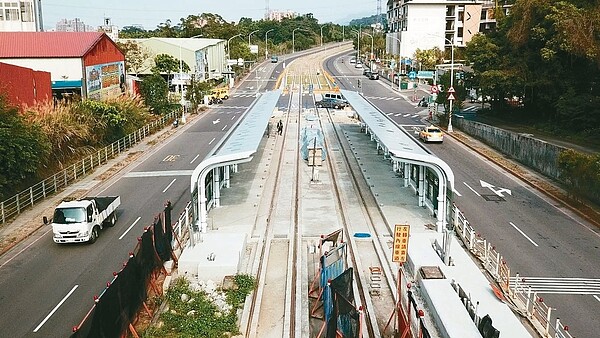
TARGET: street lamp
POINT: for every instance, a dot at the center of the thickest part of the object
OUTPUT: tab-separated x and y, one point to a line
370	56
249	35
181	101
358	47
322	26
267	43
228	53
400	42
451	42
294	39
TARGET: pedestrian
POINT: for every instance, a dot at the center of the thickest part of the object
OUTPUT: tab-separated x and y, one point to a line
280	127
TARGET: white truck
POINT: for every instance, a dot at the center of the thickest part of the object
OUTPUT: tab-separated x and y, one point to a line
81	220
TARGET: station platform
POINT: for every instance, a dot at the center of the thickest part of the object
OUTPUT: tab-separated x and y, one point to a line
240	210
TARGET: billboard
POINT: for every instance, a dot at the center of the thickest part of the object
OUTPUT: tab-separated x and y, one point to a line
105	80
254	49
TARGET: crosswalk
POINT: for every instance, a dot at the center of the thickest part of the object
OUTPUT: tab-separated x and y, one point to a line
559	285
384	98
414	116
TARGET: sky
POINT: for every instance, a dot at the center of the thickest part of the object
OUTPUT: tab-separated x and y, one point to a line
150	13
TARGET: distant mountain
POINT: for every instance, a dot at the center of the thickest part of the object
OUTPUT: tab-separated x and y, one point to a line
367	21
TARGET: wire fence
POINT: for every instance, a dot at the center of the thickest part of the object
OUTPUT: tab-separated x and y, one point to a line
527	302
16	204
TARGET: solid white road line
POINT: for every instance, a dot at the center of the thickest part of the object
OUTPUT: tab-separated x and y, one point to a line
131	226
522	233
456	192
25	248
56	308
473	190
170	184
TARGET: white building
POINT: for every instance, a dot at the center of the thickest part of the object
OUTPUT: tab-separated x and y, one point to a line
205	57
21	16
425	24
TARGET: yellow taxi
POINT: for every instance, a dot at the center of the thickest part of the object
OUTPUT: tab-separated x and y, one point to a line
431	134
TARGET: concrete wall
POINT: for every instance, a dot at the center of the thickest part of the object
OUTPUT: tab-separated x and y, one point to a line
536	154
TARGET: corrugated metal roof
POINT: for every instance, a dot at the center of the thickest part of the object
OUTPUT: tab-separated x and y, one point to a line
47	44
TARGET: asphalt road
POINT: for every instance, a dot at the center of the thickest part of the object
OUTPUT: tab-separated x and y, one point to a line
536	236
46	289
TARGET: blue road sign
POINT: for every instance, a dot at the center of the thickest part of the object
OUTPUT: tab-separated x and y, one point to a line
412	75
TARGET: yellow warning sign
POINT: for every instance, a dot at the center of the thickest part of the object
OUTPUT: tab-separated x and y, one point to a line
401	234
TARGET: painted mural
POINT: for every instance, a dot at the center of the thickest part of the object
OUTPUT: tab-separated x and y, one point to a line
105	80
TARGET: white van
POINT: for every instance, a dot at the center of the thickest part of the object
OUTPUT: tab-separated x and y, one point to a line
333	96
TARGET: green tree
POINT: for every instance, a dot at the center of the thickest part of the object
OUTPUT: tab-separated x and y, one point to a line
136	56
23	149
429	58
155	92
133	32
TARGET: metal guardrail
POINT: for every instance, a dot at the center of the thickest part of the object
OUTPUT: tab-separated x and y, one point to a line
527	302
14	205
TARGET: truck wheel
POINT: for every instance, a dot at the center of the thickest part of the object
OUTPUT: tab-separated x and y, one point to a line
94	235
112	220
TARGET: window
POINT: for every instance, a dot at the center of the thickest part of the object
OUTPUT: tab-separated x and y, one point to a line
11	14
26	12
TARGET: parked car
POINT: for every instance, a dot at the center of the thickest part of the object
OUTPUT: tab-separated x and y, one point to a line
358	64
431	134
331	103
353	60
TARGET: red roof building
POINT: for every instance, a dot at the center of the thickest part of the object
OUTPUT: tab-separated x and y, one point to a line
86	63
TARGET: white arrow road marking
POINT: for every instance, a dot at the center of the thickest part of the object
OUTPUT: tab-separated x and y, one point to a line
55	308
522	233
131	226
498	192
473	190
216	121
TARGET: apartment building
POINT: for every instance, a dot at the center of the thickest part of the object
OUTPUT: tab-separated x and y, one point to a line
425	24
21	16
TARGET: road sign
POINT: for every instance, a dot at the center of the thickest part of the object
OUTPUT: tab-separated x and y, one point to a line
451	97
401	234
451	90
412	75
433	89
425	74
